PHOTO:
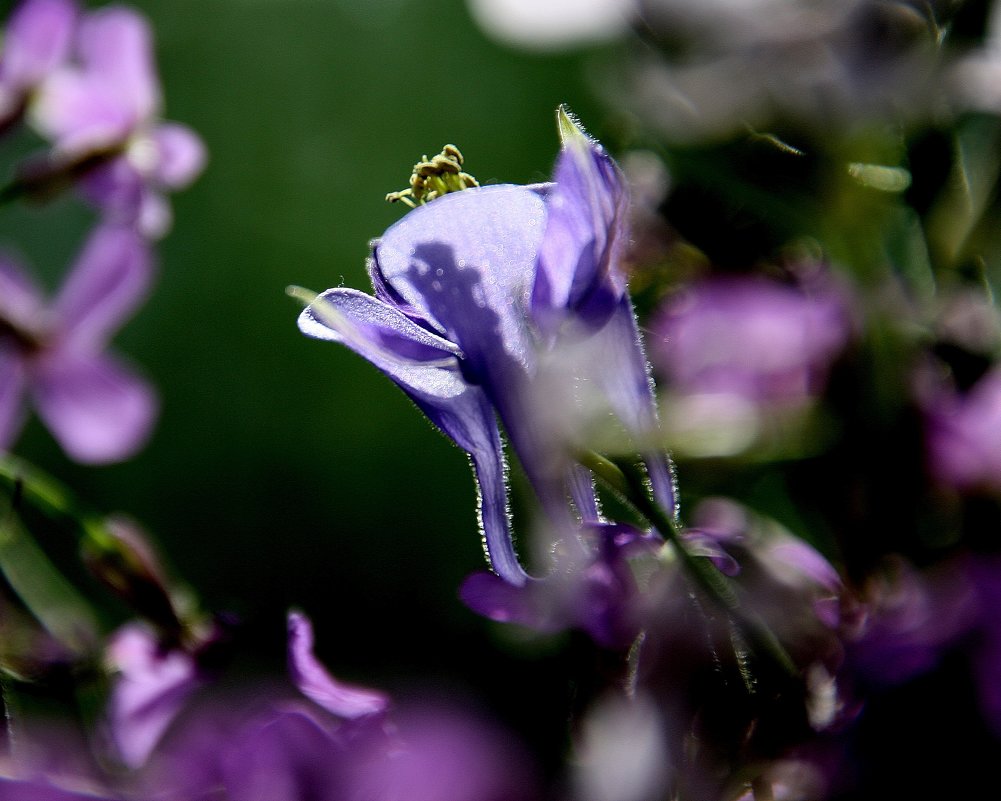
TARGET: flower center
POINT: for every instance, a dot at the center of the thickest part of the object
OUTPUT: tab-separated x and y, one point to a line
434	177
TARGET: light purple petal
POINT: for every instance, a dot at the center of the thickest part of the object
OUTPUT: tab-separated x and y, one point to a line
102	100
579	271
426	367
36	41
148	691
622	373
21	300
387	338
790	555
466	263
964	435
115	46
96	408
181	155
116	187
12	388
155	215
110	278
80	113
313	680
498	600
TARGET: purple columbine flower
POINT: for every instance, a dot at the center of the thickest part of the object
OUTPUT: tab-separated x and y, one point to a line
473	292
104	105
94	405
36	40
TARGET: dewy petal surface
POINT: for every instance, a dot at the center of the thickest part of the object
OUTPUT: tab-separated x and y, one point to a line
110	278
96	408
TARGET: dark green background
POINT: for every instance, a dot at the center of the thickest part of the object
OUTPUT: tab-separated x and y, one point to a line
286	471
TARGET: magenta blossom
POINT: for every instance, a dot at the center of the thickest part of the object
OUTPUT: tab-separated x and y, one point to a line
94	405
104	104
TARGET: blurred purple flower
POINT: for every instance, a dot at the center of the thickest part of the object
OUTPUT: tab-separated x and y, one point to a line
600	596
751	339
313	681
438	752
781	579
36	40
963	437
906	622
104	106
471	292
151	683
95	406
342	743
346	744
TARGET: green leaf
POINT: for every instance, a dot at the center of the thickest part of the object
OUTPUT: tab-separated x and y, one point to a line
53	601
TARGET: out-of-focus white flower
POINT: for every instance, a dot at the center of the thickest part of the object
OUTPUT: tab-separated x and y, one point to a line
975	81
622	752
553	24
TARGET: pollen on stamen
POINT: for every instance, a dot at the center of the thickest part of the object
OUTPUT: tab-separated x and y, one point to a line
433	177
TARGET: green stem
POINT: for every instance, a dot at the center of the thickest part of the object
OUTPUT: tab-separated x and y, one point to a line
628	479
51	497
53	601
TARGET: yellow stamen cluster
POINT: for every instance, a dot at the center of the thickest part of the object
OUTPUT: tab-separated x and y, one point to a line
434	177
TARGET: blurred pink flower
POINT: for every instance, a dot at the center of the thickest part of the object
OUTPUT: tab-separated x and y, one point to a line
104	103
36	40
94	405
758	340
964	435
